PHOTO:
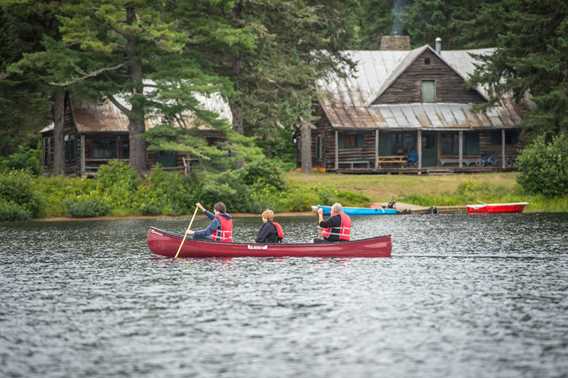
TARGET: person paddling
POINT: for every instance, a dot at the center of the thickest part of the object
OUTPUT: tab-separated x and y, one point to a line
221	227
335	228
270	231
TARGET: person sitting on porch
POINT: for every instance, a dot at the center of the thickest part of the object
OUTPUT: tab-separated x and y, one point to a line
335	228
220	228
270	231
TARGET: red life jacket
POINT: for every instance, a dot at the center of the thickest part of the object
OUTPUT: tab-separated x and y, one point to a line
279	230
344	229
225	231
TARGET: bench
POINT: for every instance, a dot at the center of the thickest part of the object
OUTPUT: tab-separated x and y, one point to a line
351	163
395	160
467	161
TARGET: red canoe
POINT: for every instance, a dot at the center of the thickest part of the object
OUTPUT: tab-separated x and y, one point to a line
493	208
165	243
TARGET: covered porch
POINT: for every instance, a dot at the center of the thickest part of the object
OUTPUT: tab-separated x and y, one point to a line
422	151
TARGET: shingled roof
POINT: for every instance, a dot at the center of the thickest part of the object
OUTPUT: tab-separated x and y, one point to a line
348	102
104	116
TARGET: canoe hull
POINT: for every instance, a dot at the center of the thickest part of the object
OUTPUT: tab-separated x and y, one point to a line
497	208
359	211
165	243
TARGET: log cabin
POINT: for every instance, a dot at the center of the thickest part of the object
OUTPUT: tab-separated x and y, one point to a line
409	110
97	132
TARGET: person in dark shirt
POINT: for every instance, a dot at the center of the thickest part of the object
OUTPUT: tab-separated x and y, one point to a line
269	231
335	228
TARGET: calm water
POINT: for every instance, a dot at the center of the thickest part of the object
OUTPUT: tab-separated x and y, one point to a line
461	297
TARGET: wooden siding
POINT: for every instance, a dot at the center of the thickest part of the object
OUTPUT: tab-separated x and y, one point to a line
450	87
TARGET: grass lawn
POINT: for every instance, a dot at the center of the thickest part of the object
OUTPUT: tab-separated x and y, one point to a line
457	189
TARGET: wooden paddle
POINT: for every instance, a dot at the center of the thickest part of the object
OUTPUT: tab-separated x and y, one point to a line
186	232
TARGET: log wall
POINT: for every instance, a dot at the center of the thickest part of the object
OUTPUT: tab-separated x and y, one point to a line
450	87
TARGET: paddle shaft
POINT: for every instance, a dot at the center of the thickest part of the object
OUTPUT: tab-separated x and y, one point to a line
186	232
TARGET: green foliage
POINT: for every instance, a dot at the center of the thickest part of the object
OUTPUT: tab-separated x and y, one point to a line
86	206
24	158
263	173
544	167
10	211
16	191
117	183
54	190
166	193
531	60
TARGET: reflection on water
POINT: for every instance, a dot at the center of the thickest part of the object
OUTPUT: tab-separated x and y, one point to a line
461	296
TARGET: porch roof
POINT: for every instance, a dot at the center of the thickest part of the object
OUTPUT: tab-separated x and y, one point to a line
421	116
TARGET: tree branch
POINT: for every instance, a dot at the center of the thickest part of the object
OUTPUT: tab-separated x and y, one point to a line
116	103
86	76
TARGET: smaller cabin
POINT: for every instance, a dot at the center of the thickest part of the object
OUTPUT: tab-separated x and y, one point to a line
95	133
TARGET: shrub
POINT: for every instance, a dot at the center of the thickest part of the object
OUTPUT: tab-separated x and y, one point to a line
544	167
10	211
25	159
117	183
86	206
16	188
227	187
263	173
54	190
164	193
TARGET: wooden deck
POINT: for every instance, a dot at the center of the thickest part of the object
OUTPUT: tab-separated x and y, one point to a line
416	171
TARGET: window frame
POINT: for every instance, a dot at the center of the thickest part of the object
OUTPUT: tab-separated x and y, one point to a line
435	85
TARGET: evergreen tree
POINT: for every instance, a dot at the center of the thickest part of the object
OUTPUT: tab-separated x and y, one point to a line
532	62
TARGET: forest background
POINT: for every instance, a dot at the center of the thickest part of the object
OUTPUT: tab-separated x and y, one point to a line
264	57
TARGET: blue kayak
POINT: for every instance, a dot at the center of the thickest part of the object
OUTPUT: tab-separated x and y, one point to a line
358	211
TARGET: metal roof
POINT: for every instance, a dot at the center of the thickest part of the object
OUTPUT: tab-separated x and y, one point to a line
347	102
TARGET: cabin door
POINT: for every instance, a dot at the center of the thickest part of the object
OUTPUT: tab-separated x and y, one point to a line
429	149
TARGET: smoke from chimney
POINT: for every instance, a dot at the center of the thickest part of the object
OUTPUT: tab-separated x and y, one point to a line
397	11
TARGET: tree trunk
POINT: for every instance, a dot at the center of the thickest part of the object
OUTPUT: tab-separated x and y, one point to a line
306	146
58	133
137	114
236	106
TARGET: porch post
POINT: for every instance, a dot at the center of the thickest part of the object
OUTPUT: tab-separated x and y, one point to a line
503	163
336	150
419	147
461	148
82	155
376	148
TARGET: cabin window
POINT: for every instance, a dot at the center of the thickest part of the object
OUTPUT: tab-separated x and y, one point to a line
511	137
167	158
350	140
427	61
428	90
104	149
46	150
319	148
450	144
70	148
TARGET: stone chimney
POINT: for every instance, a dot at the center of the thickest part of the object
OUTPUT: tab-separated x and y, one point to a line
395	42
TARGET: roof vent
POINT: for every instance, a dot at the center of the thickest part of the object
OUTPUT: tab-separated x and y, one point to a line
395	42
439	45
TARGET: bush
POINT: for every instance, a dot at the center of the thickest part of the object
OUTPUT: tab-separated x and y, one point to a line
164	193
54	190
25	159
263	173
544	167
16	190
228	187
10	211
86	206
116	184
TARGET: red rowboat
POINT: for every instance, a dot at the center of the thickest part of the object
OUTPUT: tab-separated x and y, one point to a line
516	207
165	243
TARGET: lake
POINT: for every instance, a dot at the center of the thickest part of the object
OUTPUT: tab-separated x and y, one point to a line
461	297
